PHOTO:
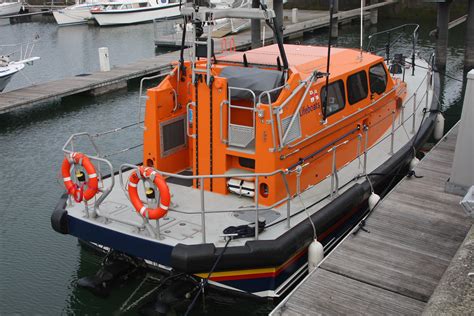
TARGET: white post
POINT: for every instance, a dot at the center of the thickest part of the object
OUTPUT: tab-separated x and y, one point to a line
294	15
104	60
374	14
462	171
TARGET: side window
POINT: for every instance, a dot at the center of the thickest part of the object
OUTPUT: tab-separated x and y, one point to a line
337	99
378	79
357	87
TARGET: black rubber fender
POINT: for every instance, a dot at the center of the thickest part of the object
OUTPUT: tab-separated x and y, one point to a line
59	217
198	258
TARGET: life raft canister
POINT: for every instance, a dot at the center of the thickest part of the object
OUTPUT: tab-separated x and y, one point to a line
160	183
74	189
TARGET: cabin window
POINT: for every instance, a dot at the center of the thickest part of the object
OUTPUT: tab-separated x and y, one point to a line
378	79
247	162
357	88
173	135
336	98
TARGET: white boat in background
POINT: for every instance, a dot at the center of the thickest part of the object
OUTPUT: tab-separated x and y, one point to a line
76	14
9	8
9	68
137	11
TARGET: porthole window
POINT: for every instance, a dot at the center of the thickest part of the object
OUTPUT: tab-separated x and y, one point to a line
378	79
337	99
357	88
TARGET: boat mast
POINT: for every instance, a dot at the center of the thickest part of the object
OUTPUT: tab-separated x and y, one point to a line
276	28
362	4
331	13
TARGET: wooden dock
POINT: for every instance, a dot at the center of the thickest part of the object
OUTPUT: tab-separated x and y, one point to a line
413	234
101	82
96	83
308	21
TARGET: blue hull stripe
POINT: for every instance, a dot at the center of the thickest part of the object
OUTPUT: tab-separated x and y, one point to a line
160	253
131	245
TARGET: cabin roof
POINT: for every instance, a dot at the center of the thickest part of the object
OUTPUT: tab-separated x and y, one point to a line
305	59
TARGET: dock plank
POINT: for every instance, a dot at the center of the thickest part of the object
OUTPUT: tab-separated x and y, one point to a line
54	90
413	235
330	293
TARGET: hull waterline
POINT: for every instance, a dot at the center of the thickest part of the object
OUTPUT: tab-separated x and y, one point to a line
4	82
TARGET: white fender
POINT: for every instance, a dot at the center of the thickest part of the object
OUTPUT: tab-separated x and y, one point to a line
413	163
439	127
315	254
373	200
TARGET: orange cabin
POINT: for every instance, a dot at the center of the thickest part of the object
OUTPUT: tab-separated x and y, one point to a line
250	118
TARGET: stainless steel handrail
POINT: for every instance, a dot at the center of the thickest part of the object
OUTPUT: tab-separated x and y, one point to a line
414	34
188	106
221	123
201	179
140	94
232	106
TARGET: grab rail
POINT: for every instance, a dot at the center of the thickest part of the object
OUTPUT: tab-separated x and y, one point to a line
140	94
391	43
201	179
229	115
188	107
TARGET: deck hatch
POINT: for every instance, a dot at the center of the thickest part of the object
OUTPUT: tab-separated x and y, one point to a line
249	216
181	230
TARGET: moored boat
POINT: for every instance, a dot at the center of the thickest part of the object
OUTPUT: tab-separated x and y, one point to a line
76	14
9	67
7	70
10	8
248	157
135	11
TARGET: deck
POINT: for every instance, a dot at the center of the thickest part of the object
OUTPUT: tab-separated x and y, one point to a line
101	82
395	267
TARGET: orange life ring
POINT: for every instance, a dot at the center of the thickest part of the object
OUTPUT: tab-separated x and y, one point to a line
159	181
73	189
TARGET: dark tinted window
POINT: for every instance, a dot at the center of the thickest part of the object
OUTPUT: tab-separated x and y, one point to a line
357	87
173	135
337	99
378	79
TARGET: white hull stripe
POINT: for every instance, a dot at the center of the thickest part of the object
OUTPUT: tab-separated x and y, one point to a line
163	207
143	210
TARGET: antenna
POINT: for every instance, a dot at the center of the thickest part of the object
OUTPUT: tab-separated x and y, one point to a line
362	4
331	13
